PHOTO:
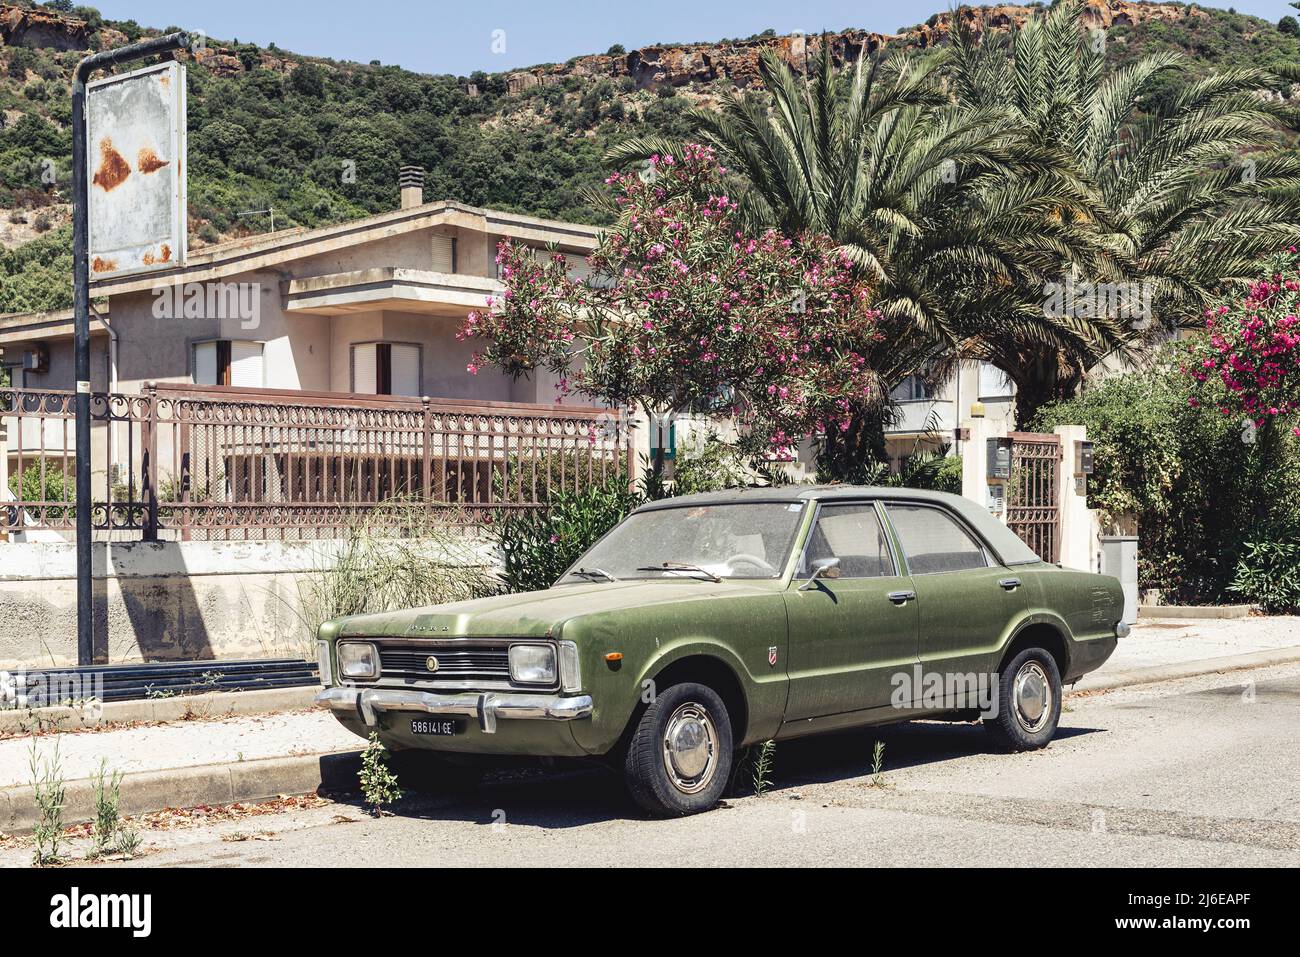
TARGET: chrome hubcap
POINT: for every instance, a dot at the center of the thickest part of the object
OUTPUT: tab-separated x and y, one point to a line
1033	694
690	748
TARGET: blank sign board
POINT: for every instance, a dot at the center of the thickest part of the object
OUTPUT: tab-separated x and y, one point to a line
135	149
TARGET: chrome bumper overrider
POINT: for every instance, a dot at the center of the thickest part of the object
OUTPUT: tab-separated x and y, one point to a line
486	706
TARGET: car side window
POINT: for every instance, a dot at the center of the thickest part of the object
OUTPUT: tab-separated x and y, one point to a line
934	541
853	534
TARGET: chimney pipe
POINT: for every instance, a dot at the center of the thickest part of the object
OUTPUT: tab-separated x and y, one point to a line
411	180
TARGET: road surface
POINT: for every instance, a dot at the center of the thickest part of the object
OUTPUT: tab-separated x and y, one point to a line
1199	772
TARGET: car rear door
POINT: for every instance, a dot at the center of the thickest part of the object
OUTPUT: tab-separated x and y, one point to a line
967	601
849	635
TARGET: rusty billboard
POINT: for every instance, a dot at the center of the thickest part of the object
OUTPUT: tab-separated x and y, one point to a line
135	148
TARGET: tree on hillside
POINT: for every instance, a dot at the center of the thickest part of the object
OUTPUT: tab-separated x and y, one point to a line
950	212
1187	193
689	309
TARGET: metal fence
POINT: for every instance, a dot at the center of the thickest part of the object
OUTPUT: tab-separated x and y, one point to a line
181	462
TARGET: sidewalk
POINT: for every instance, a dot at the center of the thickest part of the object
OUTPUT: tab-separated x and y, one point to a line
253	757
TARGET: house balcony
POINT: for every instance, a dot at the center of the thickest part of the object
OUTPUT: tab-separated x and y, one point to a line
390	288
920	417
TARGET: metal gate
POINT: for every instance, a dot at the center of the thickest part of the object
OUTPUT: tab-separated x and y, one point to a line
1033	492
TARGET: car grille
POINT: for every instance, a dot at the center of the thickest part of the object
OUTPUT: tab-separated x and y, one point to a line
460	664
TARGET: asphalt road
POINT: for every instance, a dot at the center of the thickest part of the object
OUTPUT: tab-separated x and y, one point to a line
1200	772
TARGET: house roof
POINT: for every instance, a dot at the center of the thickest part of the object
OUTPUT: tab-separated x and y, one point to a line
270	250
18	327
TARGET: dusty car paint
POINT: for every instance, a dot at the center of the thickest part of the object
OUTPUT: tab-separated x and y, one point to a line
764	637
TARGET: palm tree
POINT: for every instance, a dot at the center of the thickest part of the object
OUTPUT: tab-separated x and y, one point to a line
946	209
1181	208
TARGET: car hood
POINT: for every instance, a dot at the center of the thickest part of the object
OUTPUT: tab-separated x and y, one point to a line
539	613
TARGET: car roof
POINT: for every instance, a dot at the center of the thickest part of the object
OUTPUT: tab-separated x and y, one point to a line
1009	547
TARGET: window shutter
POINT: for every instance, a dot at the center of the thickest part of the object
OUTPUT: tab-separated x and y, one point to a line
365	369
246	365
205	363
406	370
444	258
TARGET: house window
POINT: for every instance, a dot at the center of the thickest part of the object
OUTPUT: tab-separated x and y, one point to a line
911	389
229	362
386	368
444	253
994	383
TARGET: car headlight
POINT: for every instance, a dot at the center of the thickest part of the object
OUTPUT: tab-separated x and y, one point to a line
358	659
532	664
323	663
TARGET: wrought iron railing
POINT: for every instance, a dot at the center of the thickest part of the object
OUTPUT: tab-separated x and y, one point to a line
188	462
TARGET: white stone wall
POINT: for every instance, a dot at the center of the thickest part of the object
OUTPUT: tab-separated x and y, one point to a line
158	601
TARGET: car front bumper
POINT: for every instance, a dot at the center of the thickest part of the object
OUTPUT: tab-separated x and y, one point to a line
486	707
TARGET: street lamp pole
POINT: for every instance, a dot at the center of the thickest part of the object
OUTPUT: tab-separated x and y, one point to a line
81	309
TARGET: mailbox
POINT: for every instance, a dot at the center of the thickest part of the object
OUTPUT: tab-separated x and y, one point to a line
999	456
1082	457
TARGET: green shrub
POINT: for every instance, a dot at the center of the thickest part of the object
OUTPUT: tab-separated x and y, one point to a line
1196	483
378	782
538	546
709	466
1268	574
398	556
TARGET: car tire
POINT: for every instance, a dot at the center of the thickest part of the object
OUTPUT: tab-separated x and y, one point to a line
679	757
1028	701
427	772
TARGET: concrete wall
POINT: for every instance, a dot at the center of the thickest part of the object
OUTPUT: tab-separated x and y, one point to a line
167	601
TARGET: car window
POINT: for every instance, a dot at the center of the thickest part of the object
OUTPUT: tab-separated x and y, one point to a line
851	533
933	541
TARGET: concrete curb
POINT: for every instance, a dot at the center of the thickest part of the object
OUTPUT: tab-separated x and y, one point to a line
1197	612
181	707
1185	669
144	791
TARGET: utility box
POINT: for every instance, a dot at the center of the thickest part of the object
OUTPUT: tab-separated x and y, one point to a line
1119	557
1082	457
999	458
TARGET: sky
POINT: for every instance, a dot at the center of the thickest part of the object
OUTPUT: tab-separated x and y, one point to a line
467	35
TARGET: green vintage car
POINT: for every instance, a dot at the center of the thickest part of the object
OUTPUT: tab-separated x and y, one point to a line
706	623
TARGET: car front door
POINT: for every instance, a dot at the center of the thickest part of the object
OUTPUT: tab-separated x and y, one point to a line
965	598
854	627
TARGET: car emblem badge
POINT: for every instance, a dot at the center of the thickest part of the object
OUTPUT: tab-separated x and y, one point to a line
771	656
431	663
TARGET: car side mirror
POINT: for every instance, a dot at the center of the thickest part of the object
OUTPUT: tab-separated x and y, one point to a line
822	568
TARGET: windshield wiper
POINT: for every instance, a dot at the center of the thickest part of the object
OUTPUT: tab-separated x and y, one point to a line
679	567
593	573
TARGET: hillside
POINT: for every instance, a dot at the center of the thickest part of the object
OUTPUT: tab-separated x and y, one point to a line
272	129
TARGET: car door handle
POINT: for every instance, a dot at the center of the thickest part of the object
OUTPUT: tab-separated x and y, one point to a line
901	597
1010	584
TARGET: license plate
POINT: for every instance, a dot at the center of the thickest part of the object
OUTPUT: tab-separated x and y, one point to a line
436	727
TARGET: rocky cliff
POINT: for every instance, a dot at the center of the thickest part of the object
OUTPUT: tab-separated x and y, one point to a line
682	65
41	28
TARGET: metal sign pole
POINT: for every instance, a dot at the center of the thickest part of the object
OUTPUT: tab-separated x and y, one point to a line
81	307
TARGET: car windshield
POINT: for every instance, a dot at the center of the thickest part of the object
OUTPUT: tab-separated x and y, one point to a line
740	540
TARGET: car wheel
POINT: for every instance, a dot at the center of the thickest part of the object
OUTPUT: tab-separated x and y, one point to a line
1029	701
679	758
428	772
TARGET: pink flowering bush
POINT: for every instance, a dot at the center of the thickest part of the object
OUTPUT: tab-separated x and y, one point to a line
687	308
1247	364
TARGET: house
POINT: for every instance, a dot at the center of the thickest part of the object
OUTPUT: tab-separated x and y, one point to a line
929	418
370	306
